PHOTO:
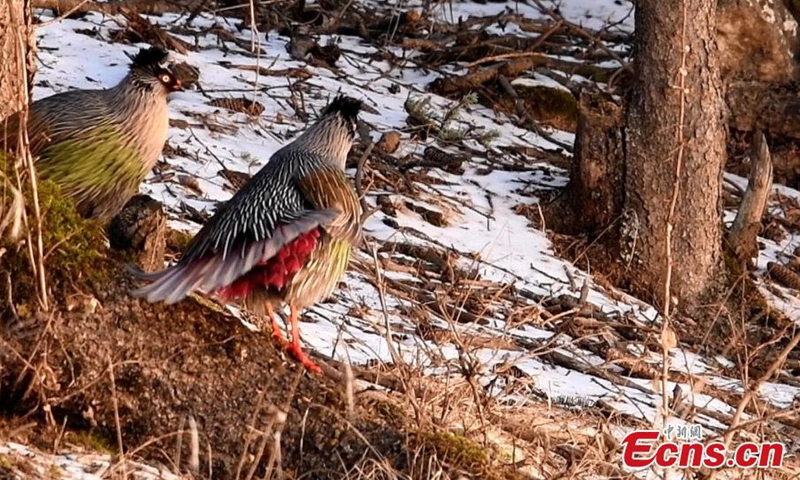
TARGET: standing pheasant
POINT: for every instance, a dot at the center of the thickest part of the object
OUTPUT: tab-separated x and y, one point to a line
285	237
98	145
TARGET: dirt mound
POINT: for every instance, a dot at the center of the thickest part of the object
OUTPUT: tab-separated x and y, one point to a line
169	363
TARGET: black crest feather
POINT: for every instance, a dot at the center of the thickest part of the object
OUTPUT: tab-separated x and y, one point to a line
347	107
149	57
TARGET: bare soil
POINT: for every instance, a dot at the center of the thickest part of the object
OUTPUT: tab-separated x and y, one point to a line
171	362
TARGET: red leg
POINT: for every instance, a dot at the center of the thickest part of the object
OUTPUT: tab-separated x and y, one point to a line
294	347
277	334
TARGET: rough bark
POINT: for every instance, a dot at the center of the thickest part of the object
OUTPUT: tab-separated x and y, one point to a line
593	198
757	40
775	109
12	80
653	148
141	229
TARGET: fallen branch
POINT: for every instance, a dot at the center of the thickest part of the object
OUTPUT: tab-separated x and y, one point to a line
151	33
514	68
147	7
742	235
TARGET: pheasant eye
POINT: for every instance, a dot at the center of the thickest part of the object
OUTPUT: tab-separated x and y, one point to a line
165	78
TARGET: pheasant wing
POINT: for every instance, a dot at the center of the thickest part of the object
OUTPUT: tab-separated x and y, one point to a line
268	213
328	189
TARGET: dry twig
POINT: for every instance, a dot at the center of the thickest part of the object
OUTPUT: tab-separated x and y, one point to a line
668	336
24	38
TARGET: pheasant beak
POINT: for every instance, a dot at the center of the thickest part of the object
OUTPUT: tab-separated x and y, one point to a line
178	87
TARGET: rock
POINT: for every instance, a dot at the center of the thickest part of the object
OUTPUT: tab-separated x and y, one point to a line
305	48
555	107
190	182
178	123
141	229
386	205
87	304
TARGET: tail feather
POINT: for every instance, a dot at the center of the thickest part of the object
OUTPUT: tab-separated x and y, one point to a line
171	284
140	274
212	272
185	284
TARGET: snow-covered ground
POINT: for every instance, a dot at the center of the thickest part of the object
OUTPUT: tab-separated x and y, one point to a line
71	465
482	233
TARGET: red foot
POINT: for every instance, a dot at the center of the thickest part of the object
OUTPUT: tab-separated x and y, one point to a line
277	334
294	350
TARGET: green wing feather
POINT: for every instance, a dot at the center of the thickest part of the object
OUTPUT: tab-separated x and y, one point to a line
328	188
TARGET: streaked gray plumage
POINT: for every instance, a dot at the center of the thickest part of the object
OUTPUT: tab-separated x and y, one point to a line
285	236
98	145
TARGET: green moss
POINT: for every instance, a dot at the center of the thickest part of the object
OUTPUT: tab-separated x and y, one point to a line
74	250
552	106
458	453
95	441
177	241
457	450
389	411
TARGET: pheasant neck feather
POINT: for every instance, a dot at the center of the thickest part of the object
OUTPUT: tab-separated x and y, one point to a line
147	115
330	138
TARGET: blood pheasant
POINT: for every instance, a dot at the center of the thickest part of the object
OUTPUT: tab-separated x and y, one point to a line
285	237
98	145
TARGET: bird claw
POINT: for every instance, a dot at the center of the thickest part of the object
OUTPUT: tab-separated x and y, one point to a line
277	333
294	350
278	337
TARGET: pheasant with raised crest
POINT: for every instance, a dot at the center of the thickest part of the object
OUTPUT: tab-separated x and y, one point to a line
285	237
98	145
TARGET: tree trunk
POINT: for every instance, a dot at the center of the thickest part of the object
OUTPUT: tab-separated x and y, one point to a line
757	41
594	196
14	32
658	152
